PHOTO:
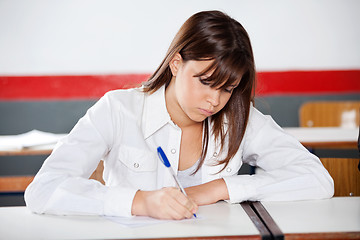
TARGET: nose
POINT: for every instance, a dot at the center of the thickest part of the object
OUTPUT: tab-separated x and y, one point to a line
214	97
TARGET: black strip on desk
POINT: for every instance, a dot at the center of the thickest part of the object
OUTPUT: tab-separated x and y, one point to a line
275	231
264	231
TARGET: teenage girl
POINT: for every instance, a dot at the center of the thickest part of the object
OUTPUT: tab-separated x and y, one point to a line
198	107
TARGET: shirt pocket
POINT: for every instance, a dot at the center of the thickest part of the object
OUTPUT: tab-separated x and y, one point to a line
137	160
234	165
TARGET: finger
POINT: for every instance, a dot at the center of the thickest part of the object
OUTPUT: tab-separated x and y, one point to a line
172	209
195	207
168	208
179	210
183	205
187	202
173	204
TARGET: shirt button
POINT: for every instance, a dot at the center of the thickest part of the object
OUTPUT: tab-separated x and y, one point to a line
136	165
228	169
173	151
215	154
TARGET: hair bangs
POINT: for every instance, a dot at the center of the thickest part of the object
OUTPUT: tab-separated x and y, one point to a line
224	71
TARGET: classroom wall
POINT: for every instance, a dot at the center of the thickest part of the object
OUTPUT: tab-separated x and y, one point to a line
58	57
91	45
93	36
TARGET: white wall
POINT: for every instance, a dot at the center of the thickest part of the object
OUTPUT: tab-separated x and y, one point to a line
111	36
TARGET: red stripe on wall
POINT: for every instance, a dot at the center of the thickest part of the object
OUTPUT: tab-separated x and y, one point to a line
94	86
65	87
308	82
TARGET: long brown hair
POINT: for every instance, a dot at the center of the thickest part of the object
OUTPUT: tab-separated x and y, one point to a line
213	35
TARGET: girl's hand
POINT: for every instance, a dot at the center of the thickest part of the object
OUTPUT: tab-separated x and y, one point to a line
208	193
166	203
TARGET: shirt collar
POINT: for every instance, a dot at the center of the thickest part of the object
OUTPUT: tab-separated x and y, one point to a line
155	112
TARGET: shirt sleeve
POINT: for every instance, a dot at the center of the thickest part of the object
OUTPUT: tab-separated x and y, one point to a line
62	185
286	171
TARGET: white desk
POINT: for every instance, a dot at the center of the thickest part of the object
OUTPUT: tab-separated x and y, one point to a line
221	219
338	217
325	137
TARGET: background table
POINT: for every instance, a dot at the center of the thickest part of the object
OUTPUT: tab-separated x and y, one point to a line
325	137
27	151
335	218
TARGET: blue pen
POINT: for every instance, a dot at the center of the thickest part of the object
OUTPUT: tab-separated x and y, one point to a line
166	162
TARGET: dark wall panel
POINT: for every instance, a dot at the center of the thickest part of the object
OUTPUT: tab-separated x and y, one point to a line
50	116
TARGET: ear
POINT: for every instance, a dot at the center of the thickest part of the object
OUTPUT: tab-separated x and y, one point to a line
175	64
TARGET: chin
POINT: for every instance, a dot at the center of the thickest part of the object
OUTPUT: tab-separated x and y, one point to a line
199	119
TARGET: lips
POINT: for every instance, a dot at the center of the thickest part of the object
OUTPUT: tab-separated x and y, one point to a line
206	112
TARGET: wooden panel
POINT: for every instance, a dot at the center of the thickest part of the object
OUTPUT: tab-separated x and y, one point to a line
15	183
346	175
20	183
329	114
25	152
317	236
331	145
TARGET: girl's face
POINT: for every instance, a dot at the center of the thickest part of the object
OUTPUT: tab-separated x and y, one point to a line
192	96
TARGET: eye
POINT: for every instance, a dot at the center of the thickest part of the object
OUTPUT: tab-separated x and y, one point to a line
204	81
229	90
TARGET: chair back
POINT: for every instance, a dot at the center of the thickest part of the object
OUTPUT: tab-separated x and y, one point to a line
330	114
346	175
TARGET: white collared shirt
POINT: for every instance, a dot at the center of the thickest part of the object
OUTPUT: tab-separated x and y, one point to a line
124	129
